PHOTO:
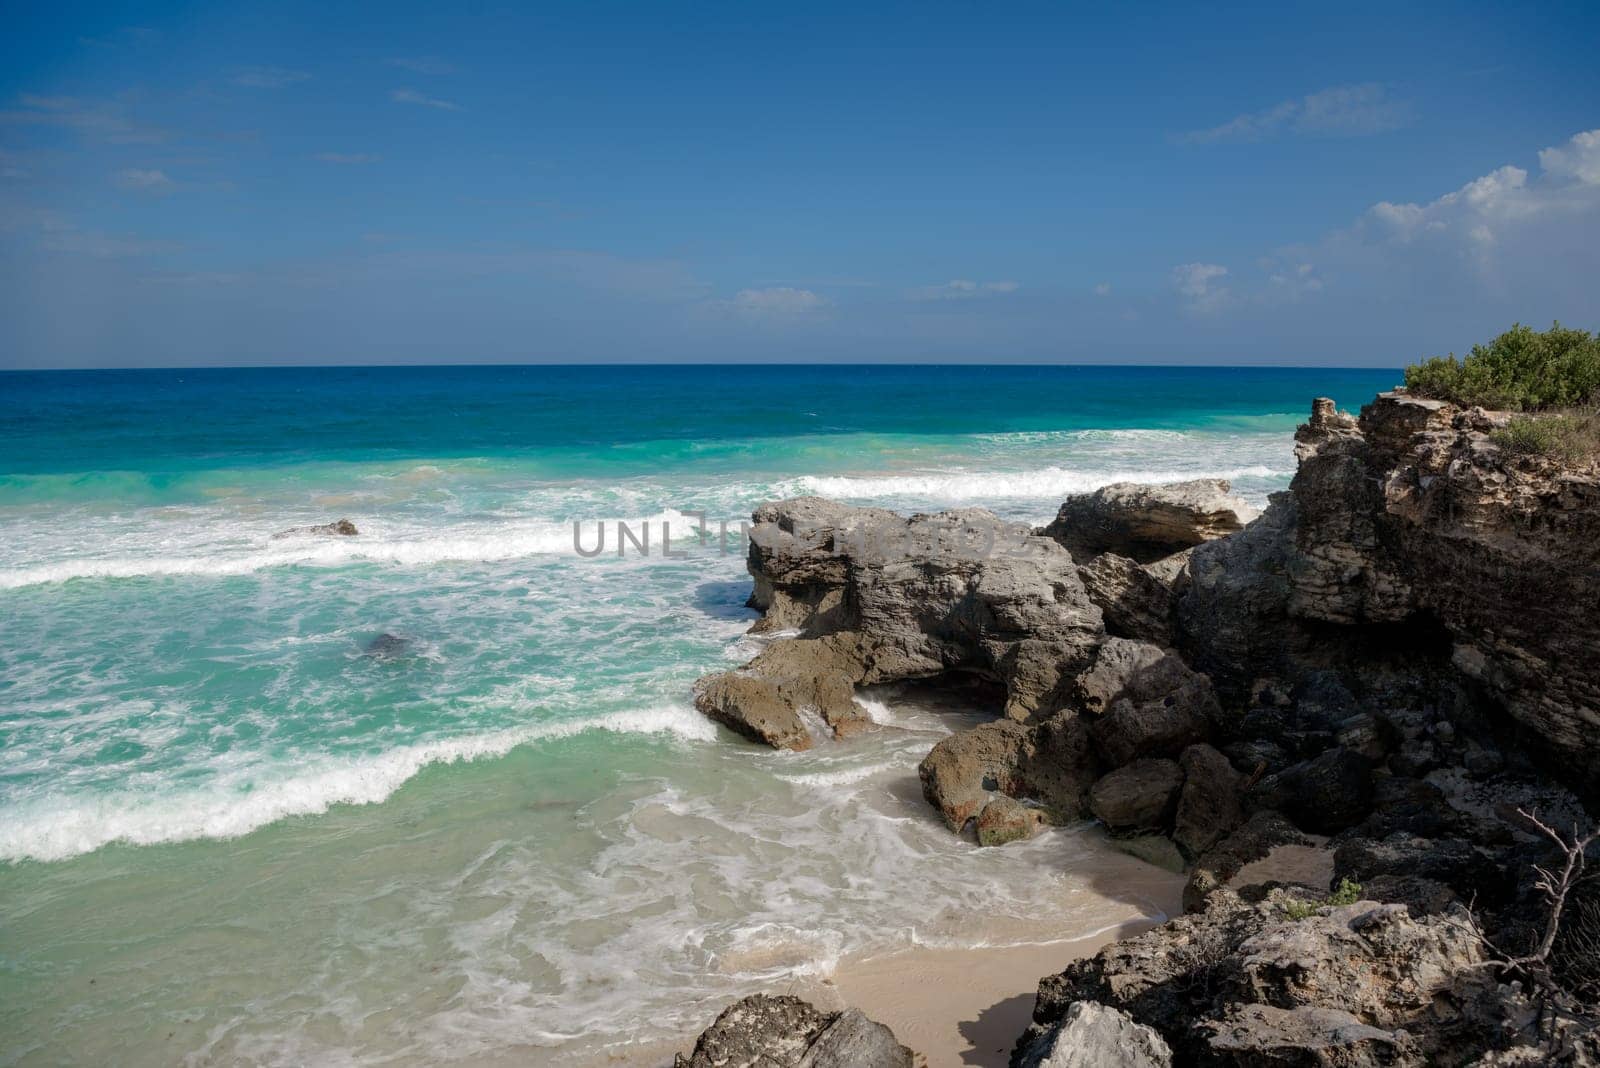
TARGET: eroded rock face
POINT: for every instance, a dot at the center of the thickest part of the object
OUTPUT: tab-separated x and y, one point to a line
1419	515
1146	523
764	1031
1244	984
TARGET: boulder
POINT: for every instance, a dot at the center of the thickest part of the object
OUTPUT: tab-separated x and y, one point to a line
1147	523
1092	1035
1006	819
764	1031
1138	797
1209	806
1257	837
1050	763
796	690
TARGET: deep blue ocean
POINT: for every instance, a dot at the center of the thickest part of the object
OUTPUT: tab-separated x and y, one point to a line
235	830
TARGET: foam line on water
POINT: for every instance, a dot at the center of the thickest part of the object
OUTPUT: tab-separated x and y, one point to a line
509	541
1048	482
55	828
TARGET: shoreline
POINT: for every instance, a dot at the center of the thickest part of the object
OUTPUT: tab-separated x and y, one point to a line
956	1007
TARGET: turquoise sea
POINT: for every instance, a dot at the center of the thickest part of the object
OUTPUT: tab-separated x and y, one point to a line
236	827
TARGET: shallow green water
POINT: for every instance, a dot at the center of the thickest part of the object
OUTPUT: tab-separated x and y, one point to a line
233	833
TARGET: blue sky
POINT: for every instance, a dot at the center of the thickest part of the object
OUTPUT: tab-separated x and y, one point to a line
328	183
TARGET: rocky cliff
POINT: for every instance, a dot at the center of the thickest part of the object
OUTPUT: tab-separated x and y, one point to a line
1400	653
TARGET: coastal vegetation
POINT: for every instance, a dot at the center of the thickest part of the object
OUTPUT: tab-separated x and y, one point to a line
1551	378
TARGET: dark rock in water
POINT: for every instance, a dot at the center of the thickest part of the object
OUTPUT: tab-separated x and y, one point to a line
763	1031
339	528
1092	1035
386	646
1146	523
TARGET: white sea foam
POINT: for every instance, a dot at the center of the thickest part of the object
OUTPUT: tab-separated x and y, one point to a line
1045	483
54	828
479	543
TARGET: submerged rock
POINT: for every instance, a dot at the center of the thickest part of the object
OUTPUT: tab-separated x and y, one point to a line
1145	522
339	528
387	646
765	1031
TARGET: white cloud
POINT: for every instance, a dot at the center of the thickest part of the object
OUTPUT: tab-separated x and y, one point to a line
411	96
1341	111
777	301
962	289
1103	289
268	77
1578	159
1475	221
146	181
1200	285
347	157
1292	280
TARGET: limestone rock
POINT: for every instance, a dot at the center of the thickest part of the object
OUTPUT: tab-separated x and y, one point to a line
1307	1036
1234	971
1092	1035
1145	522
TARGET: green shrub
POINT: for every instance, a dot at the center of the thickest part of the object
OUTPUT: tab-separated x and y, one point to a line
1566	436
1521	370
1347	893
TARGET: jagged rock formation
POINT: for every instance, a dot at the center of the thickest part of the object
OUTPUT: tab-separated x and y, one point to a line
786	1032
1147	523
1246	984
882	598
